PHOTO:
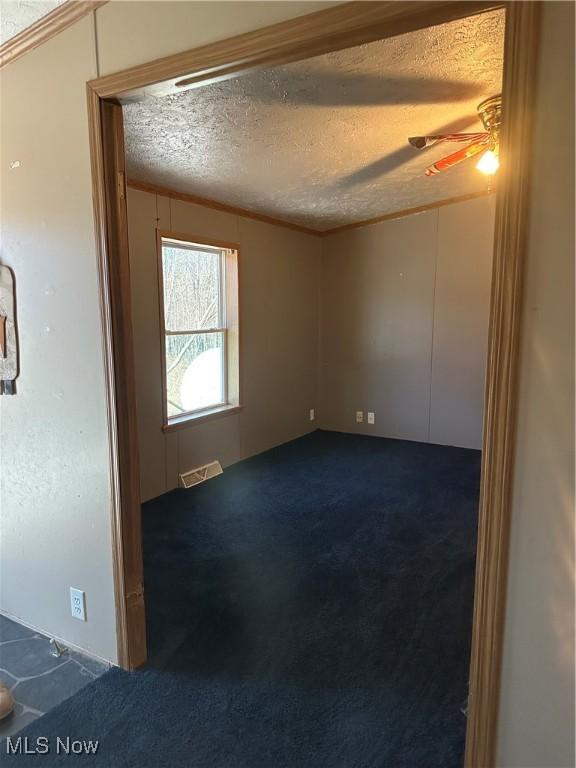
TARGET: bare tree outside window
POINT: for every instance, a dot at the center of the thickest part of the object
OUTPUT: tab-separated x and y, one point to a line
194	326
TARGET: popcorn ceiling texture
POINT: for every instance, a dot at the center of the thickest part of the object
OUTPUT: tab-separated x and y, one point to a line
323	142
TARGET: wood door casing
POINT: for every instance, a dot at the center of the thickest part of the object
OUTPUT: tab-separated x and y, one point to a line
131	591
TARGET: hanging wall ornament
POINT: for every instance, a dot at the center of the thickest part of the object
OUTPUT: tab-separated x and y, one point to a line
8	339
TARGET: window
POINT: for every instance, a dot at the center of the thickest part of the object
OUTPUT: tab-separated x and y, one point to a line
199	308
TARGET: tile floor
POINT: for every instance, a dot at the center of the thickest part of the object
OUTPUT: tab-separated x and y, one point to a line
38	680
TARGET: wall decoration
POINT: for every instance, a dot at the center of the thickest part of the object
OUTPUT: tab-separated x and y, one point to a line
8	337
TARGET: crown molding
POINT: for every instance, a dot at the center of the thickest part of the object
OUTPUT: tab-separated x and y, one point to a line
46	28
407	212
155	189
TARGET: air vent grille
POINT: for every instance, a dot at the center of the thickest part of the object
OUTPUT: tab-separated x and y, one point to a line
200	474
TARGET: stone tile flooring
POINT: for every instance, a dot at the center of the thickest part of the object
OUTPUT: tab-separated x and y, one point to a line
38	680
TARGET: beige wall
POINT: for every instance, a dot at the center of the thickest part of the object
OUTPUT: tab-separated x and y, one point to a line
132	32
55	485
278	294
54	494
465	243
404	322
537	708
404	325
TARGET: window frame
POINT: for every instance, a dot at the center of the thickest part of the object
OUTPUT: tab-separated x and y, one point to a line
228	306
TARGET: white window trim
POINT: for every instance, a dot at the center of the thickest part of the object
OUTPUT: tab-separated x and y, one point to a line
229	405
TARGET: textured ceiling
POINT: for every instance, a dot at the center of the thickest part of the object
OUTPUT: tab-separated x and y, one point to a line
17	15
323	142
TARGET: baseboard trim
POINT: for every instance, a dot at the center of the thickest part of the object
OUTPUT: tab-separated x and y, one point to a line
66	643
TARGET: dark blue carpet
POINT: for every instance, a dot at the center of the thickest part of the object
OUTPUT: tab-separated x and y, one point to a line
309	608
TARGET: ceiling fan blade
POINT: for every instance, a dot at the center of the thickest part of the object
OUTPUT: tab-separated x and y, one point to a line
373	171
420	142
457	157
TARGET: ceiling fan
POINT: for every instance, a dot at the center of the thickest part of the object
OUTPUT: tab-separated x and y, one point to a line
487	141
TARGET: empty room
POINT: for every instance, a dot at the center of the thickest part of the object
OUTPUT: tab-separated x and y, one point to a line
333	367
310	229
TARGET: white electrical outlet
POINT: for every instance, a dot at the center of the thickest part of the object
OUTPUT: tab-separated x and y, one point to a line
312	414
359	417
370	417
78	603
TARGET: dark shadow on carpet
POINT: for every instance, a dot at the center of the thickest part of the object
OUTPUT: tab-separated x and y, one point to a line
310	608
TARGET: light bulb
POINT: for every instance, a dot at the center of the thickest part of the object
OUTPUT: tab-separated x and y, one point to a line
489	162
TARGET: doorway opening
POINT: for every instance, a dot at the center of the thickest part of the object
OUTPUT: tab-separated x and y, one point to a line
213	614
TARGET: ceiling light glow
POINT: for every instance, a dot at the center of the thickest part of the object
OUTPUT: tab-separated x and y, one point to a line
488	163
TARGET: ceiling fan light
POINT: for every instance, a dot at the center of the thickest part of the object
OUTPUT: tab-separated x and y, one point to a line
488	163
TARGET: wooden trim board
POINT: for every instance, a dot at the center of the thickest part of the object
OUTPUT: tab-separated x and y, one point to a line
154	189
194	237
510	241
113	157
341	27
406	212
106	151
232	330
216	413
46	28
333	29
100	225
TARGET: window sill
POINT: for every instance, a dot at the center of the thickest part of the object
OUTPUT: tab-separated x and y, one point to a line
189	420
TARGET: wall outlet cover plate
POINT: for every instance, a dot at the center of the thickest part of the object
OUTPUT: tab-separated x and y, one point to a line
78	603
